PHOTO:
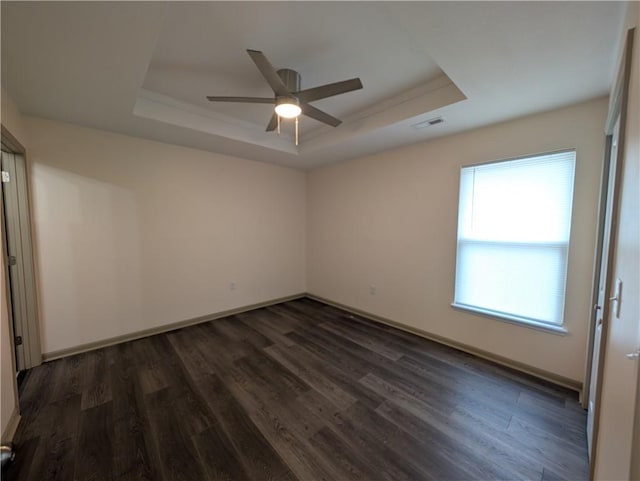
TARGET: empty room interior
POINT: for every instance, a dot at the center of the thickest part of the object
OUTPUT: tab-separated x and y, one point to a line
320	241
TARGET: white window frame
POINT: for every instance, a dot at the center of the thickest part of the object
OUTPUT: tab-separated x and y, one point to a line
564	245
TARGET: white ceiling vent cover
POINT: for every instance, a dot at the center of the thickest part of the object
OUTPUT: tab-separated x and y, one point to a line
428	123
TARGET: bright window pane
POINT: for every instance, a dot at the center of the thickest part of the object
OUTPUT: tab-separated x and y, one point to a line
513	236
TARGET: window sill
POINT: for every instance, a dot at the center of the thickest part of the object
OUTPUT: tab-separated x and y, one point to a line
519	321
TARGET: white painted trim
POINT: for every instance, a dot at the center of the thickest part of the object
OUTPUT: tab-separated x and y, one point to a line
53	355
518	366
539	373
518	321
12	426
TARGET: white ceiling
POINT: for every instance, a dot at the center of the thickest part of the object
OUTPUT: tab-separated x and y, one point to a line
144	68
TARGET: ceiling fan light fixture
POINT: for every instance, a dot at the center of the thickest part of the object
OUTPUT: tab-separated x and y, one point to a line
288	108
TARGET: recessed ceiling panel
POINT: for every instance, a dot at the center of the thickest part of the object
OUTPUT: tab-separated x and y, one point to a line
202	51
144	68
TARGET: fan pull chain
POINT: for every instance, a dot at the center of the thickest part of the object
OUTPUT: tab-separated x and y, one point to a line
278	124
296	130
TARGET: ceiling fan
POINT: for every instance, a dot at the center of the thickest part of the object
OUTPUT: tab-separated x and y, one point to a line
288	99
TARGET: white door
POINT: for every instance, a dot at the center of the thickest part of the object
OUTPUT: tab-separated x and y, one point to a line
601	305
17	229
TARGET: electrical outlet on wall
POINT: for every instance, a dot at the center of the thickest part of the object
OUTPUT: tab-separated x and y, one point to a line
232	285
372	290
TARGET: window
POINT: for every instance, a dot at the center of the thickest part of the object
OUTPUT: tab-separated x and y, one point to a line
513	238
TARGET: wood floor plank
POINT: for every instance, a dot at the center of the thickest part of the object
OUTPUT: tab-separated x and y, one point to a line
310	375
449	400
259	459
20	469
324	347
53	459
290	319
556	408
235	329
438	393
555	453
451	397
277	322
289	439
422	348
262	325
457	380
410	450
189	351
338	370
353	434
511	460
363	340
220	351
71	382
265	370
58	458
97	386
353	467
460	461
300	390
548	475
218	458
94	451
176	451
537	431
132	450
280	411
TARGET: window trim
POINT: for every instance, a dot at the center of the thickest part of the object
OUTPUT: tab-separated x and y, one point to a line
520	157
557	329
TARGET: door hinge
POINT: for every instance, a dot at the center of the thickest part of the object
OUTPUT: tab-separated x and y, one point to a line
18	340
5	176
12	260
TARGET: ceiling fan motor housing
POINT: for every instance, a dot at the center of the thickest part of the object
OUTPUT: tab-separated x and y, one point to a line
290	100
290	78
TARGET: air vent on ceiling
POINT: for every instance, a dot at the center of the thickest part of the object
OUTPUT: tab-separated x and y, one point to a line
428	123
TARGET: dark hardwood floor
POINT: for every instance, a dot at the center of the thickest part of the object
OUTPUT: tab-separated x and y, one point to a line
300	390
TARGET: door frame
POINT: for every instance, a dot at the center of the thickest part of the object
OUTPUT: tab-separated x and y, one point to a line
31	343
618	107
601	291
602	212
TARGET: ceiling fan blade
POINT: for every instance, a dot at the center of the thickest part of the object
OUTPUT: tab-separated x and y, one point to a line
269	73
319	115
246	100
273	123
329	90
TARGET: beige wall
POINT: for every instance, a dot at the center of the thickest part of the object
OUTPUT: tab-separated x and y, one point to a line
11	120
133	234
390	220
618	401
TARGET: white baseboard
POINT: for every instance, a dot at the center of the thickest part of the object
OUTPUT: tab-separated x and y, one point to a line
12	425
53	355
518	366
539	373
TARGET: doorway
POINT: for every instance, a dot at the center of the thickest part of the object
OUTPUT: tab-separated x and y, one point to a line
20	273
601	306
614	330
